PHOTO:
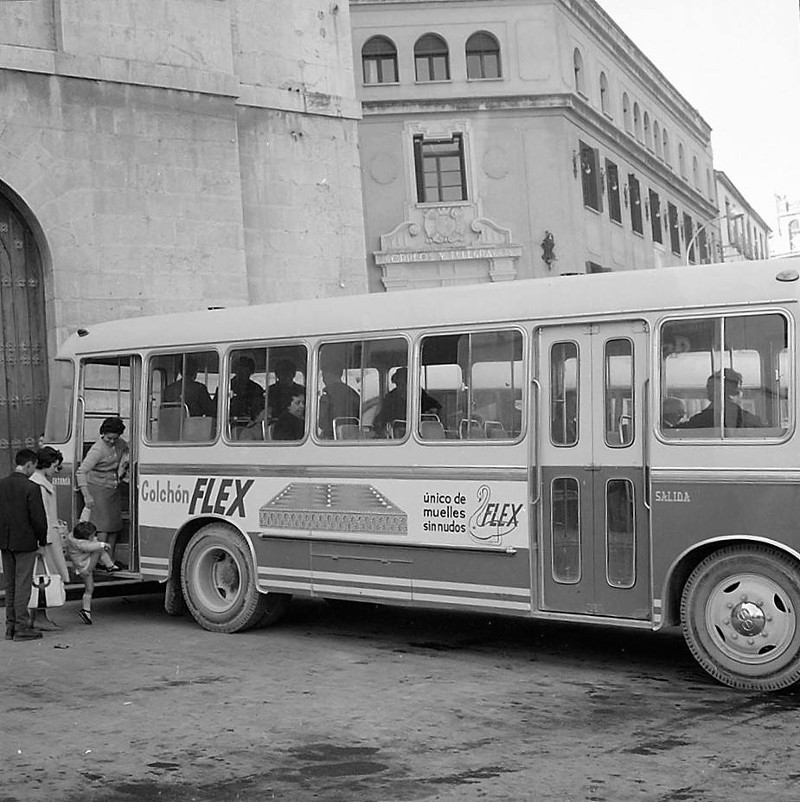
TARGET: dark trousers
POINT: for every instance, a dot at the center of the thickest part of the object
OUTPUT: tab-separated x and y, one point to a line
18	574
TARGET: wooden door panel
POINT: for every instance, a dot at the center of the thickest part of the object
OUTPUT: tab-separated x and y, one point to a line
23	362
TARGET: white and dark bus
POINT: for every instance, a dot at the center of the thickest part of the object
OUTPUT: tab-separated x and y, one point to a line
619	449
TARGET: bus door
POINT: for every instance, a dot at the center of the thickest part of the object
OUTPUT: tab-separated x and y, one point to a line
593	534
109	388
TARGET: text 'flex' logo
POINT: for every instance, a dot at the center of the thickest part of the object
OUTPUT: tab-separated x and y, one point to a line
220	496
493	520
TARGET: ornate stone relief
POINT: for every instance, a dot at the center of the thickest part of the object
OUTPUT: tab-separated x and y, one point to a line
446	244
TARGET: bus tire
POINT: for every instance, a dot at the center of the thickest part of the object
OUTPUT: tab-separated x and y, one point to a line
173	597
219	583
739	617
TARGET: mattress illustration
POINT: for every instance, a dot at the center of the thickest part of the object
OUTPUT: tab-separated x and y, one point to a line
309	506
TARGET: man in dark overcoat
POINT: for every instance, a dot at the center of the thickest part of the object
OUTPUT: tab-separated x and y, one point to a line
23	532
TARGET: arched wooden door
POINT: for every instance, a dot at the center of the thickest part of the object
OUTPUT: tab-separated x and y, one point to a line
23	344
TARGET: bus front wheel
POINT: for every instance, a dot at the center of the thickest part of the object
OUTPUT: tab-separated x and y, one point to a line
219	584
739	616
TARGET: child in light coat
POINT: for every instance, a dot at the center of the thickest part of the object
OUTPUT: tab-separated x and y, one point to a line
85	551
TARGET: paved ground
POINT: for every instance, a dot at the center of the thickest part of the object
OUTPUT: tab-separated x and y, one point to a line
377	705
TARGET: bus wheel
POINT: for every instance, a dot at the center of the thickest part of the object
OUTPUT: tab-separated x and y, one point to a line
739	617
219	585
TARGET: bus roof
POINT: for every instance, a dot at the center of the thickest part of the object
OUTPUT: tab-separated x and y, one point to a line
621	293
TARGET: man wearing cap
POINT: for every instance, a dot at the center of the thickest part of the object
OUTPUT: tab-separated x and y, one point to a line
735	416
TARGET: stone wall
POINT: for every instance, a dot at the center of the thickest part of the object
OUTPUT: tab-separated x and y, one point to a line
177	154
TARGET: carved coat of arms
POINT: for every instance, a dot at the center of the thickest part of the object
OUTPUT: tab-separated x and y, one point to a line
444	225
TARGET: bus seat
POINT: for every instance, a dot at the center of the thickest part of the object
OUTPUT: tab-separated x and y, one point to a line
397	431
170	416
255	431
431	429
198	430
495	430
346	429
471	429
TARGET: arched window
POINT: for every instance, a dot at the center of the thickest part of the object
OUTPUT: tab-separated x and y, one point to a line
637	122
379	61
648	133
657	140
665	142
577	66
681	161
431	58
626	112
483	56
695	173
709	185
604	101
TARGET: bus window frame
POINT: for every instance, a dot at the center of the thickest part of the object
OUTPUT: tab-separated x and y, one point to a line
370	442
717	314
526	358
578	362
608	388
227	374
146	399
68	407
82	362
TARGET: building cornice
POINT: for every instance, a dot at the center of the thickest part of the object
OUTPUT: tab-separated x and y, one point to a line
222	85
579	111
626	52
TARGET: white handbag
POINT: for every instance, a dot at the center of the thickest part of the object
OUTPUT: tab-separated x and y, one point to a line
47	587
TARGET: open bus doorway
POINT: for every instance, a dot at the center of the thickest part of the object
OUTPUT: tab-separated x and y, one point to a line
108	388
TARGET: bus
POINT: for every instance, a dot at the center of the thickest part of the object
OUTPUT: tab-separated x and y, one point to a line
497	448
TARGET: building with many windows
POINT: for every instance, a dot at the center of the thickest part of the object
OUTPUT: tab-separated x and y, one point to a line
743	234
518	139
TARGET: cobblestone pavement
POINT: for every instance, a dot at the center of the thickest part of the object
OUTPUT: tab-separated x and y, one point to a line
365	704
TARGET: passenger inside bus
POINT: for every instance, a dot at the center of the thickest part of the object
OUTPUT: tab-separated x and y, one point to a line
285	389
392	414
291	424
336	401
247	396
190	392
735	416
673	412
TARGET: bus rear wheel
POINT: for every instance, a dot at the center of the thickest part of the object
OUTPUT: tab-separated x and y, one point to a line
739	616
219	584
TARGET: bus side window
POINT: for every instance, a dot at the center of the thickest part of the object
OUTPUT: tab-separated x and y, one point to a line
618	392
726	377
564	393
182	397
472	382
354	400
267	393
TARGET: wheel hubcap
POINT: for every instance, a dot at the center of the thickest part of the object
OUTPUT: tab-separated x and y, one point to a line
748	619
751	618
218	580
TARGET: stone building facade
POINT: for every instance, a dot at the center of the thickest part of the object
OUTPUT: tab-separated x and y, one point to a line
743	233
160	155
519	139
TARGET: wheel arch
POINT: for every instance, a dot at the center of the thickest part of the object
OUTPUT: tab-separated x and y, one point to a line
683	565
